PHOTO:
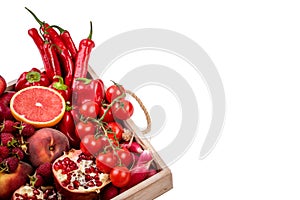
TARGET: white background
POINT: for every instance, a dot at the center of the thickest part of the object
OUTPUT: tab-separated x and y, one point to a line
255	46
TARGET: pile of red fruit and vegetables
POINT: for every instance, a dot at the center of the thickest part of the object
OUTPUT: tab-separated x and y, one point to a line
62	133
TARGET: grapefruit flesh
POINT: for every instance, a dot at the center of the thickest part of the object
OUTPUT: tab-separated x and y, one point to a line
38	105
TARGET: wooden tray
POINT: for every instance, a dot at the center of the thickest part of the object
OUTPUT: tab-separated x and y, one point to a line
150	188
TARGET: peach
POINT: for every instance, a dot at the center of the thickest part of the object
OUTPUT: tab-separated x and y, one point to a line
45	145
10	182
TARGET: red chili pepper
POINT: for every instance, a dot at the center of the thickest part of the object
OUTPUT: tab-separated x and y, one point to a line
34	77
62	88
51	64
68	41
33	33
67	126
68	65
83	56
88	90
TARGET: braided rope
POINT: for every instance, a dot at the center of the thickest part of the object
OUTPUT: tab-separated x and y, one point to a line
148	118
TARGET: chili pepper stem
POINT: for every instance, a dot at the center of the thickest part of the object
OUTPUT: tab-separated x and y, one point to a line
91	30
35	17
60	29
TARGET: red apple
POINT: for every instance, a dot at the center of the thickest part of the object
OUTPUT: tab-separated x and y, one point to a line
45	145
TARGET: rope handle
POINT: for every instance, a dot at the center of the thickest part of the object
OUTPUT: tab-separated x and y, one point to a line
148	118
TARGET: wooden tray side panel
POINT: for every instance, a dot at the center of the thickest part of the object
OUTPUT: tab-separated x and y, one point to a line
149	188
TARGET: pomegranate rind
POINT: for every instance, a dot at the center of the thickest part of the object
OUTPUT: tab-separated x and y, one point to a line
82	194
19	111
11	182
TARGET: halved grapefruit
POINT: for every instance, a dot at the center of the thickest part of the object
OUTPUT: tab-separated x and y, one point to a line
38	105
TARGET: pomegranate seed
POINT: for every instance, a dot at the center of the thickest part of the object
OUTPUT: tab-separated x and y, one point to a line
88	178
98	183
96	178
36	192
65	183
76	184
91	184
88	171
70	187
56	166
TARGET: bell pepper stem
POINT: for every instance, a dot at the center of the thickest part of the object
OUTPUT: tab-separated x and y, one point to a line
33	77
84	80
60	84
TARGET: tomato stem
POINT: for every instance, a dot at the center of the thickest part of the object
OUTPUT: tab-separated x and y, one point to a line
111	104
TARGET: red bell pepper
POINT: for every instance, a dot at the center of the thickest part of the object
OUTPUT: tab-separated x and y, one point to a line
62	88
87	90
34	77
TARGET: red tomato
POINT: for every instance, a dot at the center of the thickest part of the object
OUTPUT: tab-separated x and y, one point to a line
122	109
115	131
120	176
125	157
85	128
106	161
90	145
89	109
108	116
113	92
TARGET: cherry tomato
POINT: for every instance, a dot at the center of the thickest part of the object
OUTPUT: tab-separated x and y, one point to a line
108	116
104	141
115	131
120	176
125	157
113	92
89	109
90	145
122	109
106	161
85	128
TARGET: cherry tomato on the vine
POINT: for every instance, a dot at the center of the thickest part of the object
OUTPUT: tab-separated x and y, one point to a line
114	131
106	161
120	176
108	116
89	109
90	145
125	157
122	109
85	128
113	92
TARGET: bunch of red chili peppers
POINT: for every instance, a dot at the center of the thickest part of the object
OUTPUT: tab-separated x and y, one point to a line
66	69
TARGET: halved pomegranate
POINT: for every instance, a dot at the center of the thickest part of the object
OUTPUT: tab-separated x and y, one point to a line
26	192
77	177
